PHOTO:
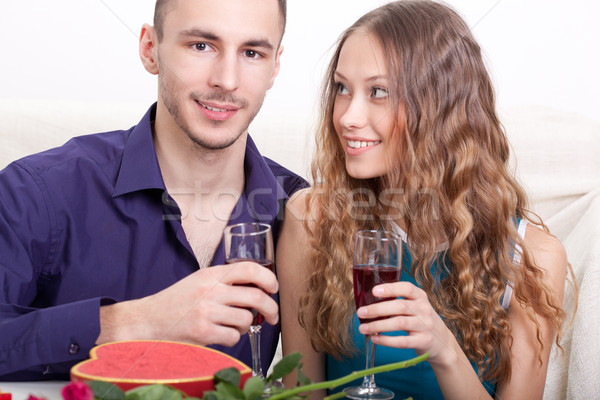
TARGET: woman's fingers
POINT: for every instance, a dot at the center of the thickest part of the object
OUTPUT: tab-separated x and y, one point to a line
399	289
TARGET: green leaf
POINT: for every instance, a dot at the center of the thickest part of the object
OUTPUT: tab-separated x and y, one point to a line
153	392
228	391
106	390
254	388
285	366
210	395
302	379
229	375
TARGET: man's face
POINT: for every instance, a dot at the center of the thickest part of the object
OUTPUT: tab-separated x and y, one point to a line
216	61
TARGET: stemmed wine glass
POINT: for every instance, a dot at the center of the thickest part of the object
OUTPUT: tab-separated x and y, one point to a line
251	241
377	259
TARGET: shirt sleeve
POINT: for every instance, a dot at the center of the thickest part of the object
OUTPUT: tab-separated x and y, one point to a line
35	336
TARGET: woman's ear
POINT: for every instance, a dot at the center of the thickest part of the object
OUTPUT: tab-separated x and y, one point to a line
147	48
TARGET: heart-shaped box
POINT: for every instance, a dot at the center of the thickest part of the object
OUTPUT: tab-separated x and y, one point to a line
130	364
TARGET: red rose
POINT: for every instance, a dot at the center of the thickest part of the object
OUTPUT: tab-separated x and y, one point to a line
77	391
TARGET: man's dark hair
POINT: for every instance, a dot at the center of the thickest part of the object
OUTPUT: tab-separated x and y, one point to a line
162	8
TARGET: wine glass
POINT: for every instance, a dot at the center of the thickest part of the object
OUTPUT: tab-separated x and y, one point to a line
251	241
377	259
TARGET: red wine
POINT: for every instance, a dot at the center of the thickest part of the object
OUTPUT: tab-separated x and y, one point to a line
365	277
258	318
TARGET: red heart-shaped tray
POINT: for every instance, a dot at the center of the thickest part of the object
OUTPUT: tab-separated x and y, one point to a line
130	364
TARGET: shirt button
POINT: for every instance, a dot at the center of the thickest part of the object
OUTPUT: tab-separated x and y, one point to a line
73	348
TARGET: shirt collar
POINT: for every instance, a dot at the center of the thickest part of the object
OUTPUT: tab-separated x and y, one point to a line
139	170
263	193
139	166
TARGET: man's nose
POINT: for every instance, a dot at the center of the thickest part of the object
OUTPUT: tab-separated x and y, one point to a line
225	73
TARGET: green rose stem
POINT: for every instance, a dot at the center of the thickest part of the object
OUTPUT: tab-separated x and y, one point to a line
348	378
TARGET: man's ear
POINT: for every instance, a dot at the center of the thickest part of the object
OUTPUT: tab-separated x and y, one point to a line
148	42
277	66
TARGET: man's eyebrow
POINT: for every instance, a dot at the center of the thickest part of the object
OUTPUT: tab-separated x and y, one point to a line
199	33
204	34
264	43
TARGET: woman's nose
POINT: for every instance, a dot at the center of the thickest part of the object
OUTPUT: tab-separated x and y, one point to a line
355	114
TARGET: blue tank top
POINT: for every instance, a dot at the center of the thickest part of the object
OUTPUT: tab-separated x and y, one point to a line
418	382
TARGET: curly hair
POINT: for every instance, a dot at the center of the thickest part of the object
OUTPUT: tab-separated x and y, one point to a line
449	181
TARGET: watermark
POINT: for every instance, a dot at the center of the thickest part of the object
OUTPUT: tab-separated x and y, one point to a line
360	204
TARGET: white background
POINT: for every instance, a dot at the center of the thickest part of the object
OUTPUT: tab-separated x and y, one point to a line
539	52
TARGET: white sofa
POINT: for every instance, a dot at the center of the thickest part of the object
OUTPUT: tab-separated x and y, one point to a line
558	161
557	156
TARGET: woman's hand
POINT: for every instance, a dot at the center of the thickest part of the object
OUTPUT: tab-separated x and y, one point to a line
408	309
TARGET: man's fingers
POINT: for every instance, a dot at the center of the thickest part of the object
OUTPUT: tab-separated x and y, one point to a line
247	272
248	297
212	306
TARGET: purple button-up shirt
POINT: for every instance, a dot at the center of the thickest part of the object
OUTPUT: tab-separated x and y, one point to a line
90	223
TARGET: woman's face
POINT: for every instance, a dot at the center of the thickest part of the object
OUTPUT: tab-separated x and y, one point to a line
363	114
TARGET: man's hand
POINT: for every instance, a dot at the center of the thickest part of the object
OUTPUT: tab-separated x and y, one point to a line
210	306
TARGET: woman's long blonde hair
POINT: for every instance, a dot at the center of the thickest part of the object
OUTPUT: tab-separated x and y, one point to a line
450	180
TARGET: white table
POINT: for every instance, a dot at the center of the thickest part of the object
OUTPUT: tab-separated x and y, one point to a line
21	390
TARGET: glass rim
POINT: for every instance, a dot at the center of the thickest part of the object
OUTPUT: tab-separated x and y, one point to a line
264	228
389	235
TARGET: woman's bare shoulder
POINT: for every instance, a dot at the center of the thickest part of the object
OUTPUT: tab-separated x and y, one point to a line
297	208
547	251
293	243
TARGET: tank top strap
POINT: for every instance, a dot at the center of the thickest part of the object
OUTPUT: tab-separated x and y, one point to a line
516	260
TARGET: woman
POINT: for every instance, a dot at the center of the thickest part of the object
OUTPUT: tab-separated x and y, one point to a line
410	141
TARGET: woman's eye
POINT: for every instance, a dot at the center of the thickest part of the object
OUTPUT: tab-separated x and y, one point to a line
341	89
379	93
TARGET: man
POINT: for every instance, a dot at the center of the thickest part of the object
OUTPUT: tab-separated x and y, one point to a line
109	237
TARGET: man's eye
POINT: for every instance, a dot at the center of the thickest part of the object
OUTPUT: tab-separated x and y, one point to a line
251	54
200	46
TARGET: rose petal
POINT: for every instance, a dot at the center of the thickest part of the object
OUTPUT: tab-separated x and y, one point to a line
77	391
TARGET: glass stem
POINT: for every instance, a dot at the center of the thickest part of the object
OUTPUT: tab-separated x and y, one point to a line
371	363
254	335
368	381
